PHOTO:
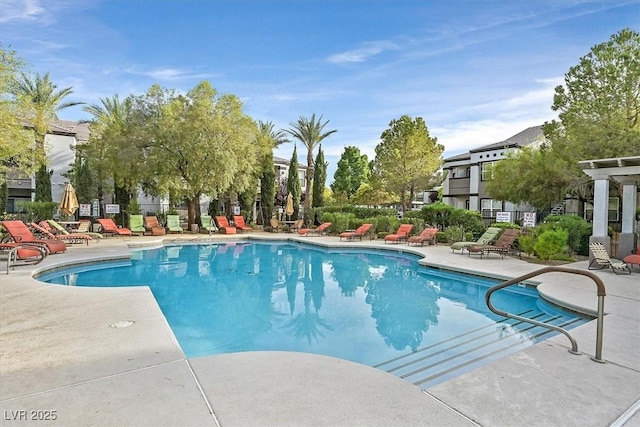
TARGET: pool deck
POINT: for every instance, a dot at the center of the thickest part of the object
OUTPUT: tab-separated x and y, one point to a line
60	358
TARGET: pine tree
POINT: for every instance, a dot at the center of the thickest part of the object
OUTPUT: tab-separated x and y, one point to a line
293	183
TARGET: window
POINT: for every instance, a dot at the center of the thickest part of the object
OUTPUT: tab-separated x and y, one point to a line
489	207
487	171
613	210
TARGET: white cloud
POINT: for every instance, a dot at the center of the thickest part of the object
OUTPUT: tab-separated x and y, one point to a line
21	11
164	74
363	53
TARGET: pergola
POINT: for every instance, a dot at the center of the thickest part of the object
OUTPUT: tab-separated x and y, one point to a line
626	171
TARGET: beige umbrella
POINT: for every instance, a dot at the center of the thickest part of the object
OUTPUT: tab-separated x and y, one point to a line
69	203
289	209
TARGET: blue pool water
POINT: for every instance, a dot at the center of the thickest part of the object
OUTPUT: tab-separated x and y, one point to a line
377	308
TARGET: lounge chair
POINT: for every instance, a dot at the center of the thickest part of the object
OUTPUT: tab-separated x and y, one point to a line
489	235
206	224
22	253
400	235
358	233
601	258
173	224
84	227
45	230
318	231
634	258
20	233
151	225
136	224
428	235
298	225
110	227
240	224
501	246
276	225
85	231
224	226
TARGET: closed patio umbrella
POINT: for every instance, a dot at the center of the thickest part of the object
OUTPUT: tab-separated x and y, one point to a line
289	208
69	203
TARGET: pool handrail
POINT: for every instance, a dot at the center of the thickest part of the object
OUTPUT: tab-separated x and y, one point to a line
574	345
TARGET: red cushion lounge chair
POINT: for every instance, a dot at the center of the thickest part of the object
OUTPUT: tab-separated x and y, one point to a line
360	231
634	258
151	225
110	227
19	254
318	231
20	233
427	235
45	229
401	234
224	226
240	224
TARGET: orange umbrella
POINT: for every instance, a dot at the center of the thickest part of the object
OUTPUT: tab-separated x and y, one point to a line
69	203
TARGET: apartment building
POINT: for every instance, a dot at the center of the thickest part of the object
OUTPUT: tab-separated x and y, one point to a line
467	174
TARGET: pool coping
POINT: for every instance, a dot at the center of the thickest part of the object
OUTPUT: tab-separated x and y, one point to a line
477	406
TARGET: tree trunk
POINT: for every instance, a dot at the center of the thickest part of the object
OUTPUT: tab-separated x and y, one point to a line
191	210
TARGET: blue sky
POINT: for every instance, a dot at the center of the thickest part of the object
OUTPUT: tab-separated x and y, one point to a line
477	71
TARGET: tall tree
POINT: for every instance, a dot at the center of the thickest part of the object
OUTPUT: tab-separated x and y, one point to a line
310	132
319	179
41	102
353	170
293	183
198	143
112	153
16	143
598	118
270	138
408	158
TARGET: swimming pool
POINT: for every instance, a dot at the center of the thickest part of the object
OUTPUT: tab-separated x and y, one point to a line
378	308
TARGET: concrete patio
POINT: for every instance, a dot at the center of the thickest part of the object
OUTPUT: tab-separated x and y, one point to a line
61	358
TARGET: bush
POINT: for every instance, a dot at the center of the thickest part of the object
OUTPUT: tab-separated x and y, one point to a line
577	228
454	233
552	245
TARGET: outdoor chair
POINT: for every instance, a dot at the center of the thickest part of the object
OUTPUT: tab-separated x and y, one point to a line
634	258
602	259
20	233
318	231
224	226
84	227
489	236
358	233
45	230
238	220
173	224
400	235
22	254
110	228
136	224
297	226
428	235
152	225
62	230
501	246
276	225
206	224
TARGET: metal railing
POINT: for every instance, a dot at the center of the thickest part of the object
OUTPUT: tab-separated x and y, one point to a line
574	345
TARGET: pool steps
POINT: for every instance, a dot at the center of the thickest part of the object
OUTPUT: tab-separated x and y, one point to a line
438	362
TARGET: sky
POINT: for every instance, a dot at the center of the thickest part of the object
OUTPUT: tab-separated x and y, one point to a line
477	72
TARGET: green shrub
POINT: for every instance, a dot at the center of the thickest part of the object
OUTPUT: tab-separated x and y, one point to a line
552	244
526	242
38	211
454	233
579	231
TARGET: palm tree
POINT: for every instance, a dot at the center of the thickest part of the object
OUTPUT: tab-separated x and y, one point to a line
41	102
309	133
111	150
